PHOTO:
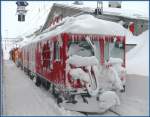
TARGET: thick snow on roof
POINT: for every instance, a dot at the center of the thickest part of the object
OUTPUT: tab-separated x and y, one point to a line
91	25
26	41
87	24
138	57
124	11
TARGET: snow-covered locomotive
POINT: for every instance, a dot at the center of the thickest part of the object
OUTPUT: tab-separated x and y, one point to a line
82	60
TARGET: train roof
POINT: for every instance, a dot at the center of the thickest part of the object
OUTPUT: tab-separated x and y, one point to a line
83	24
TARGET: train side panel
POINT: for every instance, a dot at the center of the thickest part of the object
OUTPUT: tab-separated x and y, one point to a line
49	61
31	50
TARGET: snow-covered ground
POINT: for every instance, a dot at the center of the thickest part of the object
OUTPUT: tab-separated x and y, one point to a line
137	59
22	97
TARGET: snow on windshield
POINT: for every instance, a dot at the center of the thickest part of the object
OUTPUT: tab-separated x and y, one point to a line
81	48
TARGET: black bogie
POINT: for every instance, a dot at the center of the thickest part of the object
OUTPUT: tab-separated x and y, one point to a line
38	81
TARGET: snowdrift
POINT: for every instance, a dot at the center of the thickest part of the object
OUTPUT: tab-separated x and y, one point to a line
138	57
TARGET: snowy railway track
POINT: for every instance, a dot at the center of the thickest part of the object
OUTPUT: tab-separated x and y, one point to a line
109	112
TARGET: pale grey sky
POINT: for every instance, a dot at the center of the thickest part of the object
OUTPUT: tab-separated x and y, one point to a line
38	10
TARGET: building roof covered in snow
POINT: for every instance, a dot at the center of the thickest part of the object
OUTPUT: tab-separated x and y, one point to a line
110	14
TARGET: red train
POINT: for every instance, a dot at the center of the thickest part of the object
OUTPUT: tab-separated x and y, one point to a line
74	64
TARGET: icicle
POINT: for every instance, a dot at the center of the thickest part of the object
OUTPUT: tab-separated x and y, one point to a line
92	37
79	37
72	37
83	36
96	38
75	37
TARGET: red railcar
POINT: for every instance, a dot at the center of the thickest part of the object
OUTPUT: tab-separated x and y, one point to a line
73	64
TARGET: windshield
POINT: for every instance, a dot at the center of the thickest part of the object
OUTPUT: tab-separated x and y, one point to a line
81	48
114	49
103	50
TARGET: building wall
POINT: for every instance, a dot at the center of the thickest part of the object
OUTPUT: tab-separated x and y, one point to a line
140	25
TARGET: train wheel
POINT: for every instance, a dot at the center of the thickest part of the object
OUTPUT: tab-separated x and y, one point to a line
28	72
31	76
71	99
55	94
59	100
38	81
47	85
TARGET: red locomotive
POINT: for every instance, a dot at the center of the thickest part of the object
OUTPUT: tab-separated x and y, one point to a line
74	64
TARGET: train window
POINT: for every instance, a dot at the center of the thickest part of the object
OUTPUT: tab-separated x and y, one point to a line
56	51
81	48
117	49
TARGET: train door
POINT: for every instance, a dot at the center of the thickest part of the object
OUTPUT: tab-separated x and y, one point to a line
58	75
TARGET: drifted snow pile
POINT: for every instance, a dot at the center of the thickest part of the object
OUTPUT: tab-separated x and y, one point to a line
107	100
93	84
138	57
89	63
78	73
118	70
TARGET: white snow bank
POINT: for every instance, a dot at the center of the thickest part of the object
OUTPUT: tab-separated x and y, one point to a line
131	39
108	99
6	55
138	57
79	61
